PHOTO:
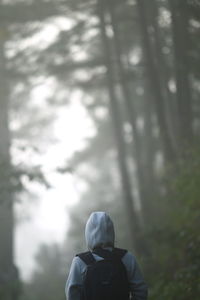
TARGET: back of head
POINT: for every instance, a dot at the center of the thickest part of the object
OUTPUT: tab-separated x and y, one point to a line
99	231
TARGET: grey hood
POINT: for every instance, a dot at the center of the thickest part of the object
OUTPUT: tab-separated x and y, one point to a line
99	231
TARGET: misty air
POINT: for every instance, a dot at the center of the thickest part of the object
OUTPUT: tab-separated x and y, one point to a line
99	129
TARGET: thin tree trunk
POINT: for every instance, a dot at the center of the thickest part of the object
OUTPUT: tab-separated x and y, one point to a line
7	270
183	92
136	149
115	112
155	84
164	76
149	150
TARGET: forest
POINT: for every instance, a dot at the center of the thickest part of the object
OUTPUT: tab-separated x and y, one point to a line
134	66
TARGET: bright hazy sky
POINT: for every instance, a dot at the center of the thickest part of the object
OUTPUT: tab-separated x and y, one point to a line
47	214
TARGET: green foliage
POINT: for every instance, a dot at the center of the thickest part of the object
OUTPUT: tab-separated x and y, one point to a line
176	246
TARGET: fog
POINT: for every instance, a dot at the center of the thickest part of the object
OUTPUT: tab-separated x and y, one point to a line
99	111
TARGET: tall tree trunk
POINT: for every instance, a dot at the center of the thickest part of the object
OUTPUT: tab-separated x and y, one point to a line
8	272
164	76
183	92
132	215
132	114
149	146
155	84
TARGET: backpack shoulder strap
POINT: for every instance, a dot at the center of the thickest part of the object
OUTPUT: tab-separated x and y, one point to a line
119	253
116	253
86	257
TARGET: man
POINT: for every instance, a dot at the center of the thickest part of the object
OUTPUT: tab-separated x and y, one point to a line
99	234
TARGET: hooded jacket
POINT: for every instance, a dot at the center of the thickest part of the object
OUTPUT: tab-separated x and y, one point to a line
99	232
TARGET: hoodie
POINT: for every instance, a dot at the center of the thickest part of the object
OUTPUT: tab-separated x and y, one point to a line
99	232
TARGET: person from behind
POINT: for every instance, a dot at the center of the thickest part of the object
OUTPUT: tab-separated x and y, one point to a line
104	272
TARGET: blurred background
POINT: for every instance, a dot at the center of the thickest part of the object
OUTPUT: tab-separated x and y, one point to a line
99	110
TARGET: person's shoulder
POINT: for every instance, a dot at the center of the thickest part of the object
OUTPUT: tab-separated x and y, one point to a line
129	259
76	260
125	253
130	255
86	257
78	264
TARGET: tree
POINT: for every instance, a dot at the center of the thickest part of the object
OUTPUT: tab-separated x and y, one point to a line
10	14
8	272
177	267
155	84
48	279
181	42
128	198
128	99
140	86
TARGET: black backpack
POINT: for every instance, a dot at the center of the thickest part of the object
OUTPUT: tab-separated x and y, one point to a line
105	279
